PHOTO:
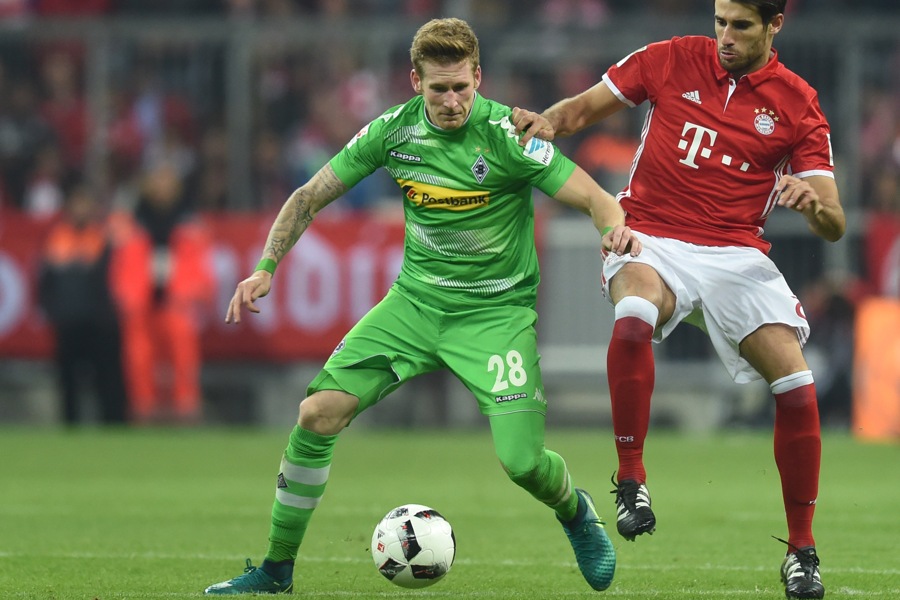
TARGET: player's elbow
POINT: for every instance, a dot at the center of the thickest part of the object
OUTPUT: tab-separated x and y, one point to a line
832	230
837	233
839	225
827	219
832	236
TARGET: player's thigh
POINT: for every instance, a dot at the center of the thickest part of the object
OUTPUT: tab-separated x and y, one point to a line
774	351
656	275
391	344
754	319
493	351
642	280
518	440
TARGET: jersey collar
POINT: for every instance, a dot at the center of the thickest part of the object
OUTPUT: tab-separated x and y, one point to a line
476	105
754	78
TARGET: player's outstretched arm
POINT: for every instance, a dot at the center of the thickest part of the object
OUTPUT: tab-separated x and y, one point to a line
817	199
294	218
582	193
567	116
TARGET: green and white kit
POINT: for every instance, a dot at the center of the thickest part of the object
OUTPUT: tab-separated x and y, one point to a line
465	296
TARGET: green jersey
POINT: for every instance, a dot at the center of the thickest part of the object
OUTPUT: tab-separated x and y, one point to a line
467	201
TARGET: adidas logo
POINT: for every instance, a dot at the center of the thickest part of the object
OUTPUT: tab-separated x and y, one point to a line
692	96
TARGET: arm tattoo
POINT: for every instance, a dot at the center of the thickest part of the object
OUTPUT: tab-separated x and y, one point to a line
299	209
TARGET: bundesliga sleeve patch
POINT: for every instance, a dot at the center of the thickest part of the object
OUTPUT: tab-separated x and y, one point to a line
362	132
539	151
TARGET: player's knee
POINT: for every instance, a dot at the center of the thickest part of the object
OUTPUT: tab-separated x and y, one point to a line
636	318
327	412
522	467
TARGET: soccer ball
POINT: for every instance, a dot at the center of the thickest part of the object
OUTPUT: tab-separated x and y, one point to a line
413	546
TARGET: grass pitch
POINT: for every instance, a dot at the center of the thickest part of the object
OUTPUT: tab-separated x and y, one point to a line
107	514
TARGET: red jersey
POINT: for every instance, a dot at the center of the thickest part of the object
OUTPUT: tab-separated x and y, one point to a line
712	148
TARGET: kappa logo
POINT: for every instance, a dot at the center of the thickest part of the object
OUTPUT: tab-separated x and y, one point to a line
506	125
692	96
405	156
510	397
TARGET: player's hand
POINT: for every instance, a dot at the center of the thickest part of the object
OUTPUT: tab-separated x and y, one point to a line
248	291
531	124
621	239
796	194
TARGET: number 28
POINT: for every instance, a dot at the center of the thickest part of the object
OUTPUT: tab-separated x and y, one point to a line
516	372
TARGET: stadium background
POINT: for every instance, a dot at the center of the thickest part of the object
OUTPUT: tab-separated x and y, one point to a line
249	98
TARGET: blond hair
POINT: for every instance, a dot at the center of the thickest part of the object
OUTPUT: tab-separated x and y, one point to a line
444	42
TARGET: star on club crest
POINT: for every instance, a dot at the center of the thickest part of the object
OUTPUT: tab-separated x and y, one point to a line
766	111
765	120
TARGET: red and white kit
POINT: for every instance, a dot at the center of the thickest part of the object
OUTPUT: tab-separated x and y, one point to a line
706	132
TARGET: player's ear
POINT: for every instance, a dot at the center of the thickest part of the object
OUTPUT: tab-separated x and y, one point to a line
415	81
776	23
477	76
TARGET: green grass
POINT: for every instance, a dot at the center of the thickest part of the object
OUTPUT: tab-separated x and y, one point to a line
99	514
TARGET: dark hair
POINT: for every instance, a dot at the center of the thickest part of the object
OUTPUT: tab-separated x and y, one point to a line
444	41
767	9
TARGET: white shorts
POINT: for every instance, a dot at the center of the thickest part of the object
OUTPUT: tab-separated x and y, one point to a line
729	292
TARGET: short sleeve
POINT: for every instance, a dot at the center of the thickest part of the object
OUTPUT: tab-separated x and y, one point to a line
812	153
363	154
638	76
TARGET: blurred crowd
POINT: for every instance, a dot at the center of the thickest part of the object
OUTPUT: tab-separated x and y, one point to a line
130	215
560	10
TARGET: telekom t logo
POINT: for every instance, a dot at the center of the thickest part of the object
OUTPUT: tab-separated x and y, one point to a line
699	133
697	146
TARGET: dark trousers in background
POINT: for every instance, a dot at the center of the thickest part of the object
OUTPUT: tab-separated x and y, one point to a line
89	358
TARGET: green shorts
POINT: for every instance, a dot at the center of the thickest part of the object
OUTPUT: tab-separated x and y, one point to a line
492	350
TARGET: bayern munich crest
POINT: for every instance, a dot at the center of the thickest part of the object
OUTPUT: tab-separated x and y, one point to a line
765	121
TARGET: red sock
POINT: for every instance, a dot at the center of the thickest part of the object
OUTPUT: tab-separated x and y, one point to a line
798	453
631	373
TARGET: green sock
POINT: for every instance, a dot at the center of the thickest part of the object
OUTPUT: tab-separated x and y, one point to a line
519	442
561	498
301	484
